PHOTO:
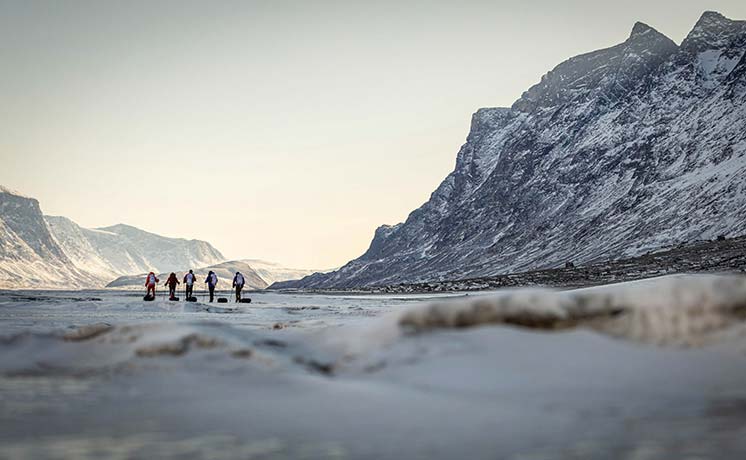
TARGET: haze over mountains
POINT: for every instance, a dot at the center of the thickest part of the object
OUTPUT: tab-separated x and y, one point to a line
38	251
613	153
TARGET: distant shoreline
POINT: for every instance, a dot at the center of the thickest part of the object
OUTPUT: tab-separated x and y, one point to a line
717	256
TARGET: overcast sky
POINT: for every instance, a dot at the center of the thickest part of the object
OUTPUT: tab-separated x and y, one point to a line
273	129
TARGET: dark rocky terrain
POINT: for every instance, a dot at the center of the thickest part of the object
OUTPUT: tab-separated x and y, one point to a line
717	256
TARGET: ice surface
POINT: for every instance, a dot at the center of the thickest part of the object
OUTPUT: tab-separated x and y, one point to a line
511	374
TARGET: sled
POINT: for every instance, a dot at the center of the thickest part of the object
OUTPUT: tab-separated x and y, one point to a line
148	298
245	300
191	299
173	299
222	300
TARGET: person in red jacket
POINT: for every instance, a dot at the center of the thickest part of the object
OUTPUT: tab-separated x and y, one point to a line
171	282
150	282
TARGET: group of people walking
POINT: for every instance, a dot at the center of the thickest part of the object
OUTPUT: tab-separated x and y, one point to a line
151	281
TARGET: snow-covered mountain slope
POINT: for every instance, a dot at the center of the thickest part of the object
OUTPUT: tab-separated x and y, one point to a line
73	240
131	250
259	274
272	272
29	254
225	272
613	153
38	251
122	249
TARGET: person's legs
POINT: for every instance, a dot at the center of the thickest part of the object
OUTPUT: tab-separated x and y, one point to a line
188	291
171	292
212	292
238	293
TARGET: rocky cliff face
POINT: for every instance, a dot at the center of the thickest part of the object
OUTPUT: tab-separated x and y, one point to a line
131	250
29	254
613	153
123	249
38	251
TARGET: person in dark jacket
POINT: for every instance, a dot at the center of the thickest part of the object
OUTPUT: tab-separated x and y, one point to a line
238	282
212	281
189	280
171	282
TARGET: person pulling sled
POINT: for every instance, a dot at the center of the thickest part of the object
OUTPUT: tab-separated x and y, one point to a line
171	282
238	282
189	280
150	282
212	281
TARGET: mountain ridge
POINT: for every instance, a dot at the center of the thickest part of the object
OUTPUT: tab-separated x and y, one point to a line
224	271
613	153
38	251
54	252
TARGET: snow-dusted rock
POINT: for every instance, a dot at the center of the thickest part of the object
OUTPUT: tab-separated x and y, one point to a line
38	251
614	153
29	253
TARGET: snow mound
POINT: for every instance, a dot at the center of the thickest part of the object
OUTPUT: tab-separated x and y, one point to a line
674	309
102	348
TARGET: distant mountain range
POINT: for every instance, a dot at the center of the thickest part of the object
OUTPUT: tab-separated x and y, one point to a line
124	249
52	252
272	272
258	274
225	272
613	153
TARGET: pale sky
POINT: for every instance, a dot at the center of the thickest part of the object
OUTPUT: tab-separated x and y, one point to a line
280	130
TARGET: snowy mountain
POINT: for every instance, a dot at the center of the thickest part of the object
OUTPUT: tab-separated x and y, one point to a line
611	154
225	272
29	254
272	272
38	251
258	273
128	250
